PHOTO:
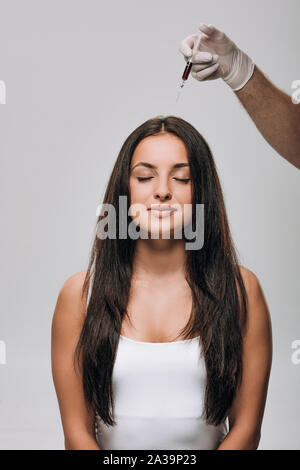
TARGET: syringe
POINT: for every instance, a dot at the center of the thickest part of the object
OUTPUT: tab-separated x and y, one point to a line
186	71
189	65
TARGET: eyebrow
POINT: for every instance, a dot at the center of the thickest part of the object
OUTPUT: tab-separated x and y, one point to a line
149	165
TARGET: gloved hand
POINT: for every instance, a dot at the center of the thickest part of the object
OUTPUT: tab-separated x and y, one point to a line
217	56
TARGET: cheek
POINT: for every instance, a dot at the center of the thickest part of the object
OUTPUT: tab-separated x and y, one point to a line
138	191
136	194
133	190
185	195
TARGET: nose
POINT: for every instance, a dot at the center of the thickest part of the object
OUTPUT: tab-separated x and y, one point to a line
162	192
163	197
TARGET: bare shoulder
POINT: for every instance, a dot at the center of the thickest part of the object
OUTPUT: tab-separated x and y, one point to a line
250	279
252	285
71	304
73	285
259	319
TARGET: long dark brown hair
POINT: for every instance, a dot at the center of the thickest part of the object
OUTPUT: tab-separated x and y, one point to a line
219	300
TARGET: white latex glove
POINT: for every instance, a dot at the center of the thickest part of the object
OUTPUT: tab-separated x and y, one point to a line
228	62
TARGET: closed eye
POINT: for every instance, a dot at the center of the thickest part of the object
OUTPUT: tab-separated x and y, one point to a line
144	179
184	180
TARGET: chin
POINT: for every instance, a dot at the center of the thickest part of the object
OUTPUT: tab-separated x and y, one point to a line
162	229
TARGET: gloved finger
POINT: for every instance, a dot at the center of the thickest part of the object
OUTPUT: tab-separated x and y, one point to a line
202	57
211	31
186	47
197	68
203	74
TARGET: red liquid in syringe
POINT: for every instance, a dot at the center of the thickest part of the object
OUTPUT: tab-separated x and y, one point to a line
187	70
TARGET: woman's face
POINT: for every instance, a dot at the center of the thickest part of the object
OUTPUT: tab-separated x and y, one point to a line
160	178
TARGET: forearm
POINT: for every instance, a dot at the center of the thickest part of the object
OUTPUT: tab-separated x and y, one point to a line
81	442
274	114
240	439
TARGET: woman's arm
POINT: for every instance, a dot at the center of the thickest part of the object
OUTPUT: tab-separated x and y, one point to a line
77	417
246	413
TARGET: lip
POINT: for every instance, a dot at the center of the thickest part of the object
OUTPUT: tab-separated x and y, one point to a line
161	208
161	211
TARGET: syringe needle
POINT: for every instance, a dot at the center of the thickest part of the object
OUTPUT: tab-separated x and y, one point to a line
181	86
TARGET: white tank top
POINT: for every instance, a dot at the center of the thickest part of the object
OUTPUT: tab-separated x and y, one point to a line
159	397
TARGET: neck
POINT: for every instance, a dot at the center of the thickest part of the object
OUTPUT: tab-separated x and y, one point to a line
164	259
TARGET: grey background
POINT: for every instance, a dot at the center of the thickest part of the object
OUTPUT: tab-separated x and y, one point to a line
80	76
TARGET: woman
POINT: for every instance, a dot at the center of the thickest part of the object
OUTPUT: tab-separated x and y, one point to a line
156	345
